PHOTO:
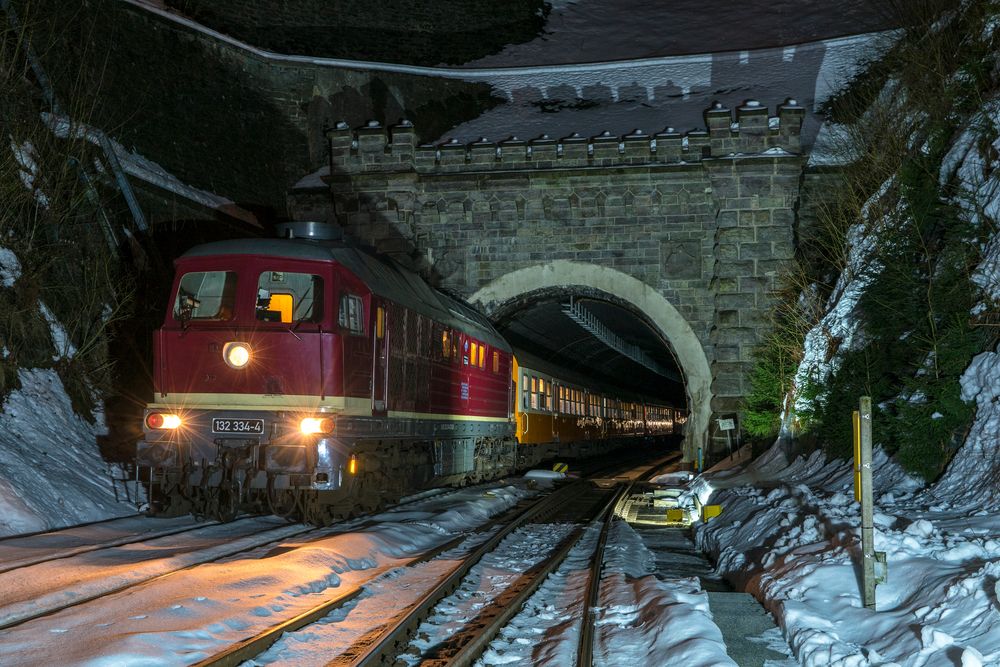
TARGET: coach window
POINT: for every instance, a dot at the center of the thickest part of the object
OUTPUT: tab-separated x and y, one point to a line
482	355
445	344
524	391
473	349
351	310
496	361
288	297
534	392
206	295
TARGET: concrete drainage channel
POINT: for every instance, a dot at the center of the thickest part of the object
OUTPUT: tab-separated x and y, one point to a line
748	630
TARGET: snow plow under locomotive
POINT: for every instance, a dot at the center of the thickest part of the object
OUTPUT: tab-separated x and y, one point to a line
306	377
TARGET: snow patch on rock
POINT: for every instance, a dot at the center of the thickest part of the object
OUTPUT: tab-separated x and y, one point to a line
51	473
10	268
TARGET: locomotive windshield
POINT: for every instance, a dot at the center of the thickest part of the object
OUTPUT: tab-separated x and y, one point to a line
206	295
288	297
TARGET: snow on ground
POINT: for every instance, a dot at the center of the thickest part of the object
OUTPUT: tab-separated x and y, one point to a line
191	615
51	473
789	534
646	621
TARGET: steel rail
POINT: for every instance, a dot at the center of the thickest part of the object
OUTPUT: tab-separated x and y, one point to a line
42	613
588	616
110	544
324	532
381	645
347	527
153	535
251	647
510	602
54	531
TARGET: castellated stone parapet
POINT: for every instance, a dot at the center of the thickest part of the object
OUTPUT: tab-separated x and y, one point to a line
753	131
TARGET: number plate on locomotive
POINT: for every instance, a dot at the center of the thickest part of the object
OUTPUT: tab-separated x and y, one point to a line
251	426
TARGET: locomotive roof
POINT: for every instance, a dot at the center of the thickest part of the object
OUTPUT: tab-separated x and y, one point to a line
382	275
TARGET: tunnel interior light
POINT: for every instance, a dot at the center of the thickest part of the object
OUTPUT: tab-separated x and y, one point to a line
161	420
316	426
236	355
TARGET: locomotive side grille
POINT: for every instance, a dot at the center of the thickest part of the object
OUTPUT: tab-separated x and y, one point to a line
454	456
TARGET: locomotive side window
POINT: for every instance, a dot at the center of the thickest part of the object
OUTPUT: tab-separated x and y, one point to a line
445	344
496	361
206	295
482	356
351	310
289	297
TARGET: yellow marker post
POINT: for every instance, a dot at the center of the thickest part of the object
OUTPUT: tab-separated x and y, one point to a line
857	455
676	515
710	512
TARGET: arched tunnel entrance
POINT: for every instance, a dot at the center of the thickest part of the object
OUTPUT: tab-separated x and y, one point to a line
540	308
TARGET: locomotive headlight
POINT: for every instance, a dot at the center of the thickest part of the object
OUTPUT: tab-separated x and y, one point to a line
237	355
316	425
161	420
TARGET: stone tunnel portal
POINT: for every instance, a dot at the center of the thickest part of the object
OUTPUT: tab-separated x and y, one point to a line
549	286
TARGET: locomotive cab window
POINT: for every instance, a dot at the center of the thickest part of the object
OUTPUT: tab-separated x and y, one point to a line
351	312
206	295
289	297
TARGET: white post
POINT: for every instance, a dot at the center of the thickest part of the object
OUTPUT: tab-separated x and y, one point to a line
867	505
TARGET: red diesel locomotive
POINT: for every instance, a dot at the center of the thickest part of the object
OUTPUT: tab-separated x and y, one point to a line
309	378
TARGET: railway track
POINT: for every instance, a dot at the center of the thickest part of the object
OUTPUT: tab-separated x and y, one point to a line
27	549
564	504
20	551
382	645
31	592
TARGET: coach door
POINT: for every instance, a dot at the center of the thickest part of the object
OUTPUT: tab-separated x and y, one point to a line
380	360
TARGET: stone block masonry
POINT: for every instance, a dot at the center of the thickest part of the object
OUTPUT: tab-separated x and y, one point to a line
705	218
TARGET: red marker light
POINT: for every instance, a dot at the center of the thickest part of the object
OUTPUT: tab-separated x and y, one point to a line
160	420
